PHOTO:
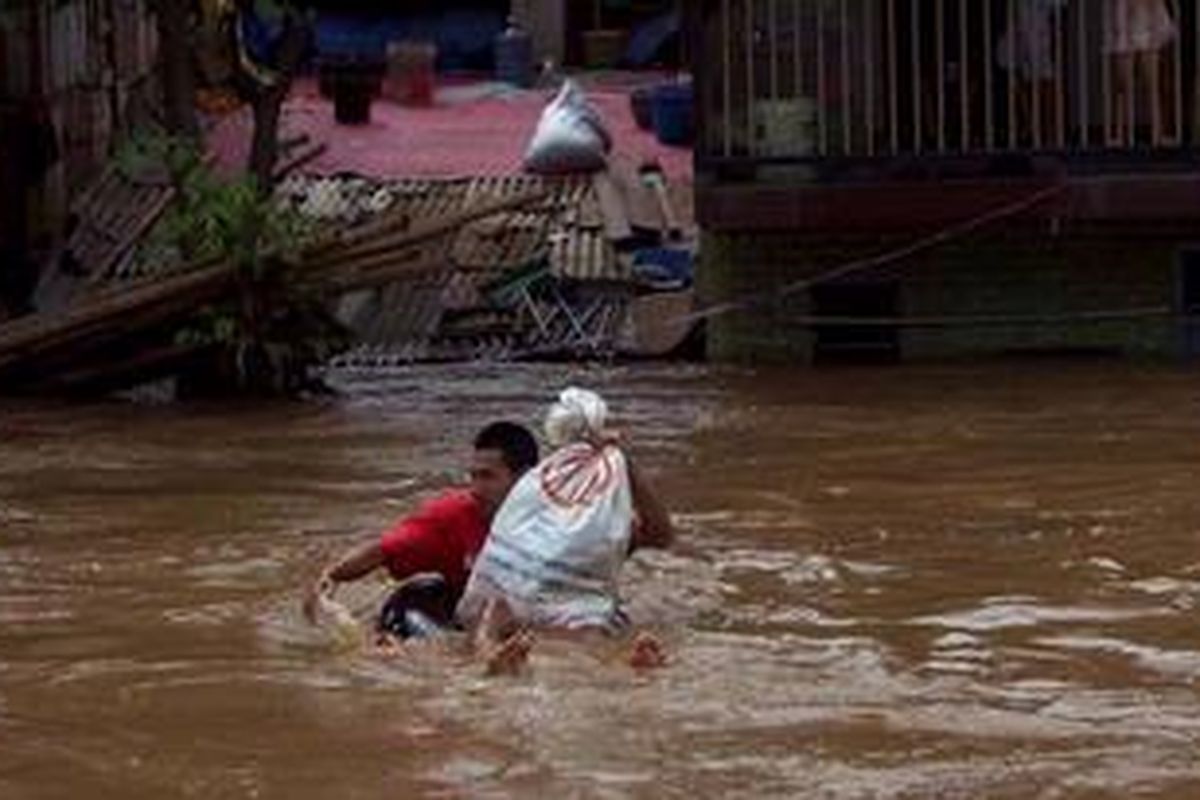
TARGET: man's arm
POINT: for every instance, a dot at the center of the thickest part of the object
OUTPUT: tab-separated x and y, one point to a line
361	561
654	528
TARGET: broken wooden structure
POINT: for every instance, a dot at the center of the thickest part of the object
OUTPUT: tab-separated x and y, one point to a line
498	268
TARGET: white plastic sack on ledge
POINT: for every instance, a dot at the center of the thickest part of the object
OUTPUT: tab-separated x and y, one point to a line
570	136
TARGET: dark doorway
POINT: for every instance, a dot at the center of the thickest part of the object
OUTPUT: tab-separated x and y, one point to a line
851	335
1189	302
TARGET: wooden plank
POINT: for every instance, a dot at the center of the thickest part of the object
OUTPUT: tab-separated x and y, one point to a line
900	207
612	208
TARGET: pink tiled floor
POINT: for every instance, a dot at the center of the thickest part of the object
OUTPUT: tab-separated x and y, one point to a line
482	137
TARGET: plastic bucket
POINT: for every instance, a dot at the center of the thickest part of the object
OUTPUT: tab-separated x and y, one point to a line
411	73
355	85
514	58
641	102
672	104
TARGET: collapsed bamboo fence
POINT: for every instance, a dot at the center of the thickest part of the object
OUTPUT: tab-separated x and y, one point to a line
391	248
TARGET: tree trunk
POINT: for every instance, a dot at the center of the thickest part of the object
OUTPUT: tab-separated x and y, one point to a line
173	18
268	101
264	149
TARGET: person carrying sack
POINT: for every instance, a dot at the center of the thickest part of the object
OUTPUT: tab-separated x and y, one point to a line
558	542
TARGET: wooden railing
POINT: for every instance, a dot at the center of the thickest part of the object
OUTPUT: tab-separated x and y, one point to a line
796	80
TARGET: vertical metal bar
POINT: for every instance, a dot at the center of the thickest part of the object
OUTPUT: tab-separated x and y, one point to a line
1011	79
893	77
727	77
809	145
773	45
822	115
869	66
797	51
1195	101
1106	78
1036	82
989	73
1130	68
38	25
847	105
1035	85
697	22
917	88
964	76
1177	47
1083	87
940	26
751	142
1060	79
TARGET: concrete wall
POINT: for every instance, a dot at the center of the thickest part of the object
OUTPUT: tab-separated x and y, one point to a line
1031	272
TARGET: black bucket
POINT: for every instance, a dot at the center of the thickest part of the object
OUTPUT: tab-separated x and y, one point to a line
641	102
352	97
355	85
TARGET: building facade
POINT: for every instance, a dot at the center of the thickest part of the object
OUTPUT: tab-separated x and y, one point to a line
893	179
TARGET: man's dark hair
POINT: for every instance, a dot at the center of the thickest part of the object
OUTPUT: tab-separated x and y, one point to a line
516	444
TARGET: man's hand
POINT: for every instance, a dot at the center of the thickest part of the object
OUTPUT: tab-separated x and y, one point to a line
357	563
321	588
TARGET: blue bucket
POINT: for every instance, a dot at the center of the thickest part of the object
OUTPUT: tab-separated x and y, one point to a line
673	113
514	57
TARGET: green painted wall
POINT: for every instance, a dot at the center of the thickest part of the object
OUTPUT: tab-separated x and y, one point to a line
1030	272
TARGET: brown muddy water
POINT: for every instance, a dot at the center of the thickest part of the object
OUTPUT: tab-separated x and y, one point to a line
936	582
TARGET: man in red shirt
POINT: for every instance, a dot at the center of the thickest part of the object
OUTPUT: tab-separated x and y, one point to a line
444	534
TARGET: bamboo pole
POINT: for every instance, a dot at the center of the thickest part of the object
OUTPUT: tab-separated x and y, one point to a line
134	309
381	236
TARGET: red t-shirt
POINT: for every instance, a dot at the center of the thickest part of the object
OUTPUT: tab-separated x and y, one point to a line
443	535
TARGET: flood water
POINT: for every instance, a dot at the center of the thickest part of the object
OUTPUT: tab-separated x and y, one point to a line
976	582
